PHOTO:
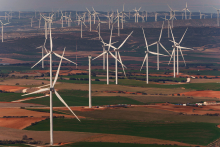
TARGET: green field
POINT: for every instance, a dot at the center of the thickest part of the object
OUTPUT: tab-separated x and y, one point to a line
193	86
8	97
108	144
80	98
188	132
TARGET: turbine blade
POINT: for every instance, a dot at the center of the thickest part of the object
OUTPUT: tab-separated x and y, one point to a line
99	55
145	40
61	99
64	58
41	59
171	56
156	53
110	40
121	62
185	48
125	40
153	44
172	34
183	36
117	59
161	32
58	70
164	48
146	56
38	91
182	56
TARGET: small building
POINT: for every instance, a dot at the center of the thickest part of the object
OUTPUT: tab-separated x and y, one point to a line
210	103
188	80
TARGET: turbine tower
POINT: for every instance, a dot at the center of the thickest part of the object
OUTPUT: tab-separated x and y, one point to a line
177	47
158	46
52	83
217	16
146	57
3	24
186	9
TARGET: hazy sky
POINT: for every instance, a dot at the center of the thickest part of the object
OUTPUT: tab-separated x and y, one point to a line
107	5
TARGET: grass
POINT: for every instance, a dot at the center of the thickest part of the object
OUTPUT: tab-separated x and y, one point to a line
8	97
84	82
8	69
187	132
193	86
109	144
80	98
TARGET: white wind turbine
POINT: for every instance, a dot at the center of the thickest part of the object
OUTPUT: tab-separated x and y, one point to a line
31	21
109	19
94	14
178	47
186	9
52	83
103	47
158	46
217	16
90	20
172	14
117	54
146	57
39	20
118	20
61	19
43	48
156	16
108	52
80	19
3	24
168	26
136	14
99	26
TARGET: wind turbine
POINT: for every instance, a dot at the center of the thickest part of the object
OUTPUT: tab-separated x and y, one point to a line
136	14
146	57
39	20
94	14
118	20
109	19
3	24
52	83
43	47
178	47
19	16
172	14
217	16
90	21
108	52
156	16
99	26
117	54
80	19
158	46
61	19
186	9
168	26
31	21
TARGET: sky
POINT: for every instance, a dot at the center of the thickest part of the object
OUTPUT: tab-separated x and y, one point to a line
206	6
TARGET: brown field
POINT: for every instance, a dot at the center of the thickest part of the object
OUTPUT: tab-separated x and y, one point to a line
10	88
12	61
206	93
18	123
24	112
62	137
132	139
23	82
12	104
